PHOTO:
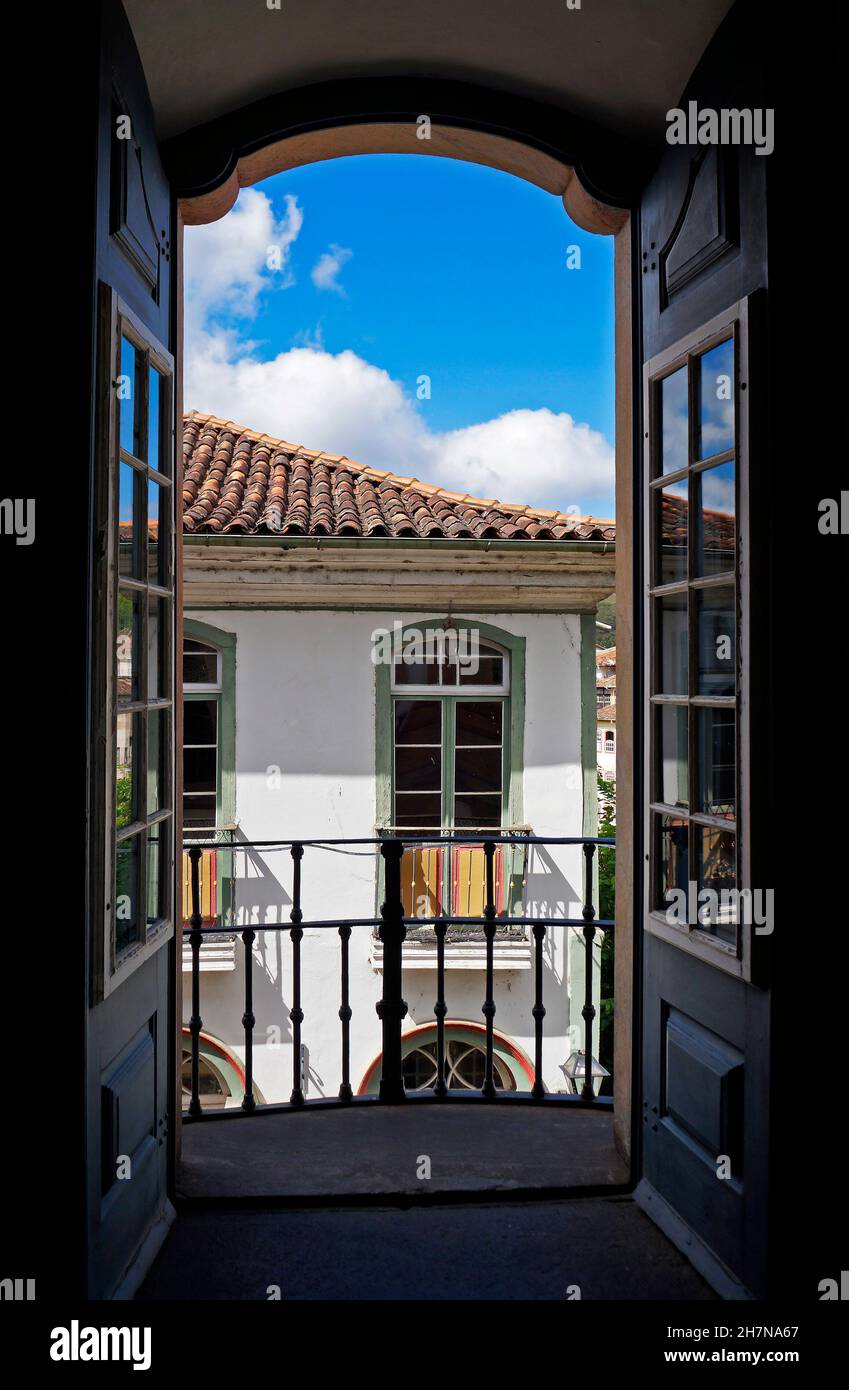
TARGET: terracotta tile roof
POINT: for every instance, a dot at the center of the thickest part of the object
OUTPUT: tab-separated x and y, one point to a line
238	482
605	683
719	528
606	713
605	656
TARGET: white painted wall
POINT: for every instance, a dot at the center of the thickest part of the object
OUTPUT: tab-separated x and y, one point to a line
606	756
305	704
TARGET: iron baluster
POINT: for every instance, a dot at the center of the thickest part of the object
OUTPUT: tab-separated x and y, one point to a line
296	1013
392	1009
488	1090
195	941
248	1021
538	1090
440	1008
588	1011
345	1092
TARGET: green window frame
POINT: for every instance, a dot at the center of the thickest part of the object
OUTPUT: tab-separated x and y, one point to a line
513	733
513	724
224	696
223	693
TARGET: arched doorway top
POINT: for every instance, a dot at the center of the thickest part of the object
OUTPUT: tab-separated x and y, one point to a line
596	174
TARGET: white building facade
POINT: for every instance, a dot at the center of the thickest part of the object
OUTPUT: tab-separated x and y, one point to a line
314	713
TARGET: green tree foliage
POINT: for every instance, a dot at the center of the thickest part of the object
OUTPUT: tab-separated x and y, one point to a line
123	801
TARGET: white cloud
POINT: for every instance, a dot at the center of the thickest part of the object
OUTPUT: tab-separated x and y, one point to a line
346	405
230	262
325	272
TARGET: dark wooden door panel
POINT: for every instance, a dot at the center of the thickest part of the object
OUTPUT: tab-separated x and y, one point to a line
705	1029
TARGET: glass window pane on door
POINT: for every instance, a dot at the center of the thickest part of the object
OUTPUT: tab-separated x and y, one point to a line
671	745
126	793
672	544
418	769
126	644
200	723
716	852
717	641
671	641
672	858
154	415
127	919
477	812
156	878
154	568
716	521
418	810
479	723
717	763
418	722
715	424
129	483
158	675
156	745
674	417
132	366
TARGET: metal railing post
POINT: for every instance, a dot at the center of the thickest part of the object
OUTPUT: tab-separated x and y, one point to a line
588	1011
195	1022
488	1089
296	1013
392	1009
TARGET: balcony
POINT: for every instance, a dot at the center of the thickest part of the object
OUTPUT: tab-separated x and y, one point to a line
214	895
482	880
449	879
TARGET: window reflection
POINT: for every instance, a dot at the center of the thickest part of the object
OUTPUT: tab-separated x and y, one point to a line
129	425
716	523
674	415
154	574
672	860
715	730
126	645
717	871
671	501
126	893
716	401
671	638
127	513
154	408
717	642
125	808
672	755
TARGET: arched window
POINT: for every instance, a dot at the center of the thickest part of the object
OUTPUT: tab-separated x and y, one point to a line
464	1070
450	722
221	1076
609	741
208	727
465	1060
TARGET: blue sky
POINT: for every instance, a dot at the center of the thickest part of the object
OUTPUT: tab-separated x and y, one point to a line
383	269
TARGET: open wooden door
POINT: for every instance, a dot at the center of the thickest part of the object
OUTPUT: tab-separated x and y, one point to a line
705	998
131	704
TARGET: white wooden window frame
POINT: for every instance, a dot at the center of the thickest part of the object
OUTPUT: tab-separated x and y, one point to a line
110	969
735	959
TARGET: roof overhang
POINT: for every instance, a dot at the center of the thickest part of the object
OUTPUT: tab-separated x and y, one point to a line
300	572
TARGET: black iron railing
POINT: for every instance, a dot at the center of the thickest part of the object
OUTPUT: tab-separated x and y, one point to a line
392	927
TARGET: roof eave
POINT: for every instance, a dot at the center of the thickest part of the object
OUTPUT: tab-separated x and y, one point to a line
465	543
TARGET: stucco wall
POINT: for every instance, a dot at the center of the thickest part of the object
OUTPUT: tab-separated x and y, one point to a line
305	767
